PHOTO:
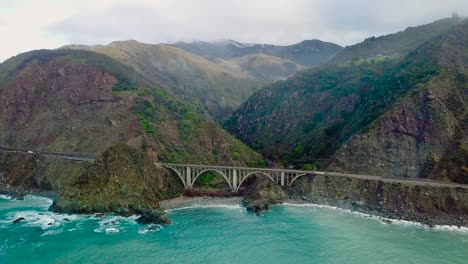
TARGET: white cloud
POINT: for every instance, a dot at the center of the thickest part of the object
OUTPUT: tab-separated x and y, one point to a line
30	24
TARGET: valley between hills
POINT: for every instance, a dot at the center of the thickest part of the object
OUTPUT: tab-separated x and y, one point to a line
390	107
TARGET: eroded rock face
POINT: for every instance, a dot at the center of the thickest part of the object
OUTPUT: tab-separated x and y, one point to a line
432	205
260	193
122	180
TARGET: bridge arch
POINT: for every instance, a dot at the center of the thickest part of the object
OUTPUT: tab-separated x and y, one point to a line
212	170
297	176
253	173
178	174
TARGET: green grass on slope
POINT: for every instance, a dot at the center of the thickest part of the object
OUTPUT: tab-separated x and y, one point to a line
293	117
126	76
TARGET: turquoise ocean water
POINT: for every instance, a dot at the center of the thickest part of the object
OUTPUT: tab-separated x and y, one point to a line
286	234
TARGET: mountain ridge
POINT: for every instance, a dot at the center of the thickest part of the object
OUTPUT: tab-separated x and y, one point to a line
306	53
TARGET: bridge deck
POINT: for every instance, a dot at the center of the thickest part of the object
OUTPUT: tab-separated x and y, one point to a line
241	168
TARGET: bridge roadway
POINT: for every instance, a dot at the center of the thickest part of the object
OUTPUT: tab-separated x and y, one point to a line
235	176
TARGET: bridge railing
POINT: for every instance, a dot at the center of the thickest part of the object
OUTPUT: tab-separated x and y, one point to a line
240	168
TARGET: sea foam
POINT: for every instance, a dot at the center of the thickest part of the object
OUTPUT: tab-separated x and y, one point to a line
383	220
5	197
44	220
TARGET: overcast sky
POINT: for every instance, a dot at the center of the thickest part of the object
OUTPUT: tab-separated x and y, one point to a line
34	24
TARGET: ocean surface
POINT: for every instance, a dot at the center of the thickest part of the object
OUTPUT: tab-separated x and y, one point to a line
226	234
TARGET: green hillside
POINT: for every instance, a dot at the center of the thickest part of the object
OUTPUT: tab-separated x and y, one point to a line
397	44
315	113
213	90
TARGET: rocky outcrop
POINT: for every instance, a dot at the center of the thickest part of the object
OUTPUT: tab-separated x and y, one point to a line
431	205
154	216
122	180
260	193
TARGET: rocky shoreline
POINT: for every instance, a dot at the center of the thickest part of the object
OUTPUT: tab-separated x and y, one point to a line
429	205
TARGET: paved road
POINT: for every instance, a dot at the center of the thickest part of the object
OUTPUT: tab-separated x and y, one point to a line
65	156
89	158
417	181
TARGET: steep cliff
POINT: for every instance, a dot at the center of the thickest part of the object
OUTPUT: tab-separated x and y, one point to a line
122	180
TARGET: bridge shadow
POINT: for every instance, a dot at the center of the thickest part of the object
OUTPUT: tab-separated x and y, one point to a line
210	180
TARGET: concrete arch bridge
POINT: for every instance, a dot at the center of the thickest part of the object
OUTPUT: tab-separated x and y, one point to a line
234	176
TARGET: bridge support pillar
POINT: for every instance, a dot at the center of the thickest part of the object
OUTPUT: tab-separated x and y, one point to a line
282	178
234	180
188	178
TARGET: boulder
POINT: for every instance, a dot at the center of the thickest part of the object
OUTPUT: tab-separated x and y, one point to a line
260	193
155	216
19	220
257	206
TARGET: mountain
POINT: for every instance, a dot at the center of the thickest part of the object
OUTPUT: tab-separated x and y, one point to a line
214	90
397	44
391	116
263	67
306	53
74	101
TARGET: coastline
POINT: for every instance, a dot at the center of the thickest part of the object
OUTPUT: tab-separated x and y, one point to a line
181	203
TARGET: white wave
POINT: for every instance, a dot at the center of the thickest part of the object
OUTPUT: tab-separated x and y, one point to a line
36	201
5	197
112	230
52	232
451	228
150	229
44	220
112	224
383	220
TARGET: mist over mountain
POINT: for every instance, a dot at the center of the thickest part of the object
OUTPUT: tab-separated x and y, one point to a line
215	90
307	53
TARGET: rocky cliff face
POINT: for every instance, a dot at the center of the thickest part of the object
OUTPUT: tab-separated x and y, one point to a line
122	180
426	204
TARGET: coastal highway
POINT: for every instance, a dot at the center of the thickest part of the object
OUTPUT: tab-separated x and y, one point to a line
65	156
77	157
